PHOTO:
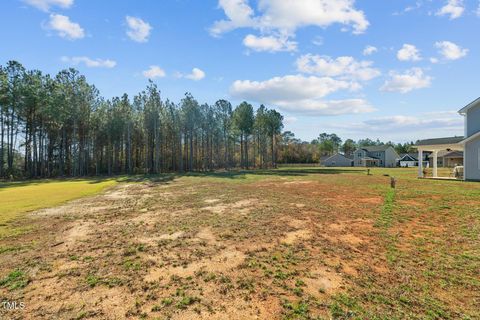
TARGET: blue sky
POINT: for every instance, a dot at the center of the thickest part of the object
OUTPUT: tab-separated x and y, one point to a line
394	70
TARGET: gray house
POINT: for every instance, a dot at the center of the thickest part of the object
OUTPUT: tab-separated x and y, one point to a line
469	144
447	159
338	160
375	156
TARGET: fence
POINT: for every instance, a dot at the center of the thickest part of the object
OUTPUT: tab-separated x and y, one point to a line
288	165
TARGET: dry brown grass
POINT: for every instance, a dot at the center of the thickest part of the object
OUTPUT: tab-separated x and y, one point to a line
276	246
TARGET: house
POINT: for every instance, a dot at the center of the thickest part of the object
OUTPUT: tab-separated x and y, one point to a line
447	159
338	160
469	144
408	160
375	156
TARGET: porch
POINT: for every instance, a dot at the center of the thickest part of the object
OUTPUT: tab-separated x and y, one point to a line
370	162
435	146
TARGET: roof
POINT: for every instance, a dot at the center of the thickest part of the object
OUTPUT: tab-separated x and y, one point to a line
454	154
448	154
408	157
472	137
439	141
472	104
376	148
339	154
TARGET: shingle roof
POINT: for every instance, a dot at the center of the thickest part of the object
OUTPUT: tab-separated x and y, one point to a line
407	156
339	154
376	148
454	154
448	140
448	154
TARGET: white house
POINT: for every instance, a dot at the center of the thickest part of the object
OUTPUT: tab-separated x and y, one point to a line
469	144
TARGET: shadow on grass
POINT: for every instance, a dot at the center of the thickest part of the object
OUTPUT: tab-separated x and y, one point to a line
235	174
169	177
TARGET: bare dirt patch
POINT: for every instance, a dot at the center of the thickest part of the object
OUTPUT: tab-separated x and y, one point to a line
267	249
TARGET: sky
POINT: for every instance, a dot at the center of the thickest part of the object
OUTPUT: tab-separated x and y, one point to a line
394	70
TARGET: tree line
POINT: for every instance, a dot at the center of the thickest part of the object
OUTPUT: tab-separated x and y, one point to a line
61	126
294	150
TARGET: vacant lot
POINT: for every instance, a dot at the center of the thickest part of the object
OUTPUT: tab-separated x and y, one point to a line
301	243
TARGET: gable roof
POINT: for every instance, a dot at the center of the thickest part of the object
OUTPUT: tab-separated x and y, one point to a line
438	141
447	154
339	155
472	137
376	148
472	104
408	157
454	154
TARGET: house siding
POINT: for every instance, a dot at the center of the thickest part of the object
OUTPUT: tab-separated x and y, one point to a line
473	121
338	160
388	158
357	157
472	148
471	160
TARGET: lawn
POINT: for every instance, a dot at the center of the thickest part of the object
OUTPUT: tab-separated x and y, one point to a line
18	198
293	243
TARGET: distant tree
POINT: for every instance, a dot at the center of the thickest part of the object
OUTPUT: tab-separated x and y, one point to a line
349	147
224	116
403	148
329	143
243	120
274	126
367	142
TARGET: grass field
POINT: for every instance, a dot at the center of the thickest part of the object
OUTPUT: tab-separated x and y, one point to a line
294	243
18	198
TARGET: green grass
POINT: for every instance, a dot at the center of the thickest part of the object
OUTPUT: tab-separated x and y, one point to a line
16	279
17	198
418	259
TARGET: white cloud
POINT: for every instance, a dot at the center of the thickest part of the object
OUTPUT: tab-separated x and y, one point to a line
269	43
477	12
91	63
412	79
450	50
280	17
154	72
434	60
423	121
287	16
453	8
65	27
196	75
318	41
291	15
239	14
409	53
369	50
297	93
45	5
343	67
290	120
442	121
138	30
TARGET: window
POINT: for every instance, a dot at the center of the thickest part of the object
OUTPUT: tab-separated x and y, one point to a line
359	154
